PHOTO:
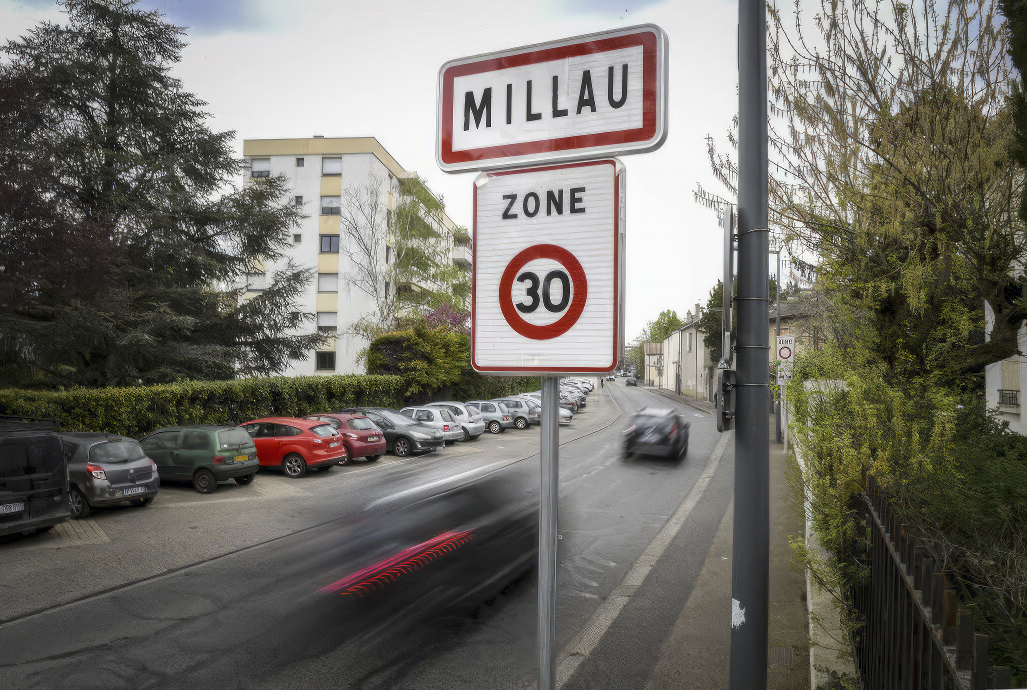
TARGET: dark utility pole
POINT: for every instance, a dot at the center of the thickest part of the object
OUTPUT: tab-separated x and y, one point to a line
750	565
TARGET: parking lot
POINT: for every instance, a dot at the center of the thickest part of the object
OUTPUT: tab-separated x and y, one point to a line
124	544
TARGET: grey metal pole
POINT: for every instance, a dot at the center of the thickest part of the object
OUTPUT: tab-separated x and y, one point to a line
750	567
547	533
778	332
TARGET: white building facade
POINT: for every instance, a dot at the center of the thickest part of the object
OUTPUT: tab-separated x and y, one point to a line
319	170
1004	380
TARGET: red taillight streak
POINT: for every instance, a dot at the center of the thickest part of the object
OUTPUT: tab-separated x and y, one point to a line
378	575
219	459
445	427
96	471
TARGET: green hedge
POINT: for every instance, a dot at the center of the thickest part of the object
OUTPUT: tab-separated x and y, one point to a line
136	411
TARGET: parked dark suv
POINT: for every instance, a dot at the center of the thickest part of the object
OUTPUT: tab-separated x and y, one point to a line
33	475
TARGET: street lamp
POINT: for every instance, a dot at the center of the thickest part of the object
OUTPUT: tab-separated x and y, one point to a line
775	245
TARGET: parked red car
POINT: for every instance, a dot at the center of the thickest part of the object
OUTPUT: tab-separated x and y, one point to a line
360	437
295	444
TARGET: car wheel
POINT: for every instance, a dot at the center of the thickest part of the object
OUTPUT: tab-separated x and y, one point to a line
80	507
684	449
245	479
346	457
294	466
495	427
467	435
204	481
521	423
143	502
401	447
371	458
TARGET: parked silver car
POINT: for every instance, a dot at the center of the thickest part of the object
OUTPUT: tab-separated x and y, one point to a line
496	415
469	419
436	417
522	414
105	469
535	404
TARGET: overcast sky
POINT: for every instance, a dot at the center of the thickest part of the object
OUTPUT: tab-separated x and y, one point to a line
274	69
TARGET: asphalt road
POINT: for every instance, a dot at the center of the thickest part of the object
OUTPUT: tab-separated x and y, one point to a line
215	591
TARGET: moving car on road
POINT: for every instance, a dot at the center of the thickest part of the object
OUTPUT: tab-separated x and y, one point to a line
631	382
497	417
203	454
469	420
104	469
403	436
360	437
657	431
33	475
437	417
295	444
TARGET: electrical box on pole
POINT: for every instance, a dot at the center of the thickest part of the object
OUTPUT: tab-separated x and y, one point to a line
727	224
725	400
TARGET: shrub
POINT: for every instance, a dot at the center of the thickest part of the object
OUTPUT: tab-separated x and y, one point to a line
137	411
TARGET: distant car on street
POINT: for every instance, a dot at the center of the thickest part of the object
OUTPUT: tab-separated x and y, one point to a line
202	454
611	377
657	431
104	469
294	445
360	437
631	382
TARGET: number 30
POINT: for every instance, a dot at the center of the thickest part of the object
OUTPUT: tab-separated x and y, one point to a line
547	291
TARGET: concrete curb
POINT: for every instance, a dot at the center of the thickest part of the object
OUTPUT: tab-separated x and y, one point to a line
703	405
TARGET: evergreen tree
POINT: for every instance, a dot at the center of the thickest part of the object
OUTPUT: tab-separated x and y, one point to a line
119	248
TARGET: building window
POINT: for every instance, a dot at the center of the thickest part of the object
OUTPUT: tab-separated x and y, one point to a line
256	282
260	167
299	199
325	361
299	162
297	238
327	322
331	205
327	282
388	252
689	342
386	289
329	244
331	166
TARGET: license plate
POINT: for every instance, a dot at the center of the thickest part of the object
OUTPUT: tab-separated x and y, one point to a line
333	444
372	438
242	458
134	490
11	508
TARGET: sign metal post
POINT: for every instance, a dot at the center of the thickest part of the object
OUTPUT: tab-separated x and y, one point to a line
547	532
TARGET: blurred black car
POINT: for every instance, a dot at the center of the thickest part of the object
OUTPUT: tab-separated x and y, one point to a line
403	436
631	382
656	431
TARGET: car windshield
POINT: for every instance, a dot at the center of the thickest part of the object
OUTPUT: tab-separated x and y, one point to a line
360	424
323	430
231	438
116	451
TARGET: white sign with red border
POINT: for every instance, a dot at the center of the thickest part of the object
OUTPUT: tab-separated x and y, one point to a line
577	98
786	348
548	269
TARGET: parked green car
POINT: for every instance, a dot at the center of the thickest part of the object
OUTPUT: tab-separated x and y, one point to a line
203	454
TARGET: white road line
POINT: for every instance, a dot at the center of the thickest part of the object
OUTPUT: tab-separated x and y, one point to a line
588	639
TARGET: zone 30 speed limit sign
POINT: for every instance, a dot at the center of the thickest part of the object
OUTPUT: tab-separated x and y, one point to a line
548	269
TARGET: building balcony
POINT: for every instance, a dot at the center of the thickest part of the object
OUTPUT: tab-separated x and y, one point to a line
462	256
1009	401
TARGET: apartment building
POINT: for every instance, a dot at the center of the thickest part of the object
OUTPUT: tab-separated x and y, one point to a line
320	170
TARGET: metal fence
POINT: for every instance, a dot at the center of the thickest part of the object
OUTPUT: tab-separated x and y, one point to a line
915	636
1006	397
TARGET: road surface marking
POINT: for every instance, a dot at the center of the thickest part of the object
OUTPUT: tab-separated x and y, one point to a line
588	639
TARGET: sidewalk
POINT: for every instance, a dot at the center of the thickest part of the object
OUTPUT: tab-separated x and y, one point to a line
703	405
697	653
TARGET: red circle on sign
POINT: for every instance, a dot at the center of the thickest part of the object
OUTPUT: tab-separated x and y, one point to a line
580	287
785	352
